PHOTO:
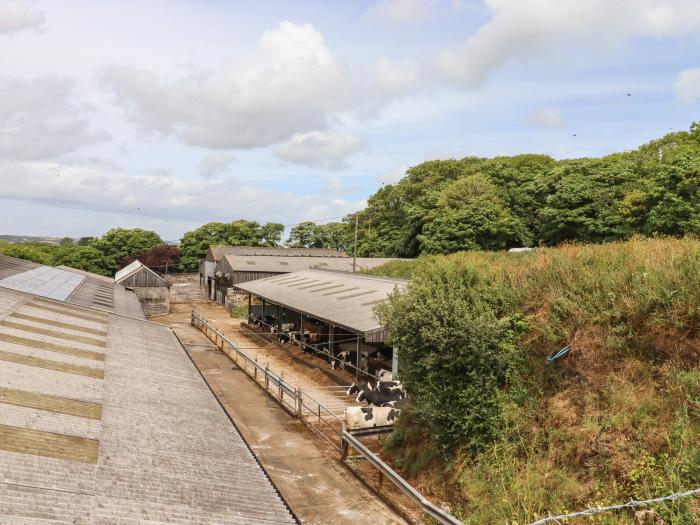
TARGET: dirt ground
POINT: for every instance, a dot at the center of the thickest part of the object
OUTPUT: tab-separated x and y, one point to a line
316	485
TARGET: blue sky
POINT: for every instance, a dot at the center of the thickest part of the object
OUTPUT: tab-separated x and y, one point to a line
169	114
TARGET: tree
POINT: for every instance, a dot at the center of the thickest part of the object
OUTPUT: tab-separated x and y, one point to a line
85	258
157	258
305	235
470	215
194	244
120	242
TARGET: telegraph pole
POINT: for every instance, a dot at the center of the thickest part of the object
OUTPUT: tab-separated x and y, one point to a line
354	250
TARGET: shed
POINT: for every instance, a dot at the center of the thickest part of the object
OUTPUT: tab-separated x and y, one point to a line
336	308
150	288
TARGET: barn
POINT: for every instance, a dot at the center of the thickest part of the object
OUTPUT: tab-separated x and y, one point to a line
151	289
330	313
227	266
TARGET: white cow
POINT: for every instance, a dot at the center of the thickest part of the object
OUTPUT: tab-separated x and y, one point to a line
369	417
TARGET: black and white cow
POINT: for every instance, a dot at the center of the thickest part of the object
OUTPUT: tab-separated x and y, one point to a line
356	418
344	357
386	393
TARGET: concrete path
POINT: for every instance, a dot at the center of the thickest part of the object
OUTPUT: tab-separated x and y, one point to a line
318	488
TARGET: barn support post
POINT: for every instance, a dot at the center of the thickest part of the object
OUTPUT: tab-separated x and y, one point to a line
357	357
249	306
303	339
262	315
331	337
279	319
395	362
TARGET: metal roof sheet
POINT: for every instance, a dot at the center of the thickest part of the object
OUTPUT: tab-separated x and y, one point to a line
104	419
281	264
342	299
218	251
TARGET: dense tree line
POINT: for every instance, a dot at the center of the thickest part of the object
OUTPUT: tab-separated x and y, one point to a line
102	255
194	244
445	206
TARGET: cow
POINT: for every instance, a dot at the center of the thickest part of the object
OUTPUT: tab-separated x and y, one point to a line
385	375
344	357
382	395
356	418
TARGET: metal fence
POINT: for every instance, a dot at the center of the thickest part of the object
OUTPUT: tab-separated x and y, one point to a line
320	415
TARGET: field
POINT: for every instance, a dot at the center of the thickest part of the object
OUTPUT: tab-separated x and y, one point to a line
618	417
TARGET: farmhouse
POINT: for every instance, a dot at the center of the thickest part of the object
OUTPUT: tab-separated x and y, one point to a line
150	288
330	313
104	418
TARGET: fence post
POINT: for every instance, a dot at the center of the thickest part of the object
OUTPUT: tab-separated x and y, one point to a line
299	403
255	372
267	377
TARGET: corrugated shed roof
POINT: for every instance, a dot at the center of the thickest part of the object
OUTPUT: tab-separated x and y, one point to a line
342	299
131	269
95	276
280	264
67	285
104	419
218	251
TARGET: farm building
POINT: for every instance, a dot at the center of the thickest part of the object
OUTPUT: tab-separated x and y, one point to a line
210	271
105	419
330	313
227	266
151	289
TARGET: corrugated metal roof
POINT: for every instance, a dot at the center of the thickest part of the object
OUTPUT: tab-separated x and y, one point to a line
104	419
342	299
67	285
282	264
218	251
95	276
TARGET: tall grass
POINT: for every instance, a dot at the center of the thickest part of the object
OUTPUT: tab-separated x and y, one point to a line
619	417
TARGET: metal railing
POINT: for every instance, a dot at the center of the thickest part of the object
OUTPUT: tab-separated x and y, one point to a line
439	515
316	415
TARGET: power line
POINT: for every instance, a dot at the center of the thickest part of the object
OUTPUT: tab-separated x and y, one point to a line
629	505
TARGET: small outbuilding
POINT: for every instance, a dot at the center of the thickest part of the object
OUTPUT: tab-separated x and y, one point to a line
151	289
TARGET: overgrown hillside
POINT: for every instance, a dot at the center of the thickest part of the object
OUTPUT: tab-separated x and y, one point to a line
506	438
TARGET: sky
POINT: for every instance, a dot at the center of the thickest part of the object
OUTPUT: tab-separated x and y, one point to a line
167	115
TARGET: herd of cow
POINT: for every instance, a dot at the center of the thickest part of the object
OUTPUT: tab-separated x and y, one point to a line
385	400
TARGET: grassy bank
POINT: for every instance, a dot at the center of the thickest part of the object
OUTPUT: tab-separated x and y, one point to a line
617	418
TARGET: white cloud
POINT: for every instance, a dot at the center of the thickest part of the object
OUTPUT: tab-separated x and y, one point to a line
323	149
158	194
522	30
397	78
687	85
546	118
402	12
215	164
40	118
290	85
16	16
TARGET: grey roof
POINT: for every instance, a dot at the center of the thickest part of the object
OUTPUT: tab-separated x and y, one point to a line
133	268
105	419
282	264
218	251
67	285
95	276
339	298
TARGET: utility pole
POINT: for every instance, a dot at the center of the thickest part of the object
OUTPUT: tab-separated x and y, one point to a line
354	250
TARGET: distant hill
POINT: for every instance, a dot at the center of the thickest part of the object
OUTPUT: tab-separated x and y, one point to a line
29	238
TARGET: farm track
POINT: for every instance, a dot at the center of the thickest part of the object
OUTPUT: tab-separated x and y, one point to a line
306	470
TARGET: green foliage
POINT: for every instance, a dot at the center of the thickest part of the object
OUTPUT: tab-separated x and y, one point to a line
449	330
333	235
618	418
195	243
32	251
118	243
533	200
86	258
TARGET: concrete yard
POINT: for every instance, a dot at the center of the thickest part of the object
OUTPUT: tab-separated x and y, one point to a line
318	488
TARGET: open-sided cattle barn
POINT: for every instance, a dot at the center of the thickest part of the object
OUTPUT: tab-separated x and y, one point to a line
328	312
151	289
